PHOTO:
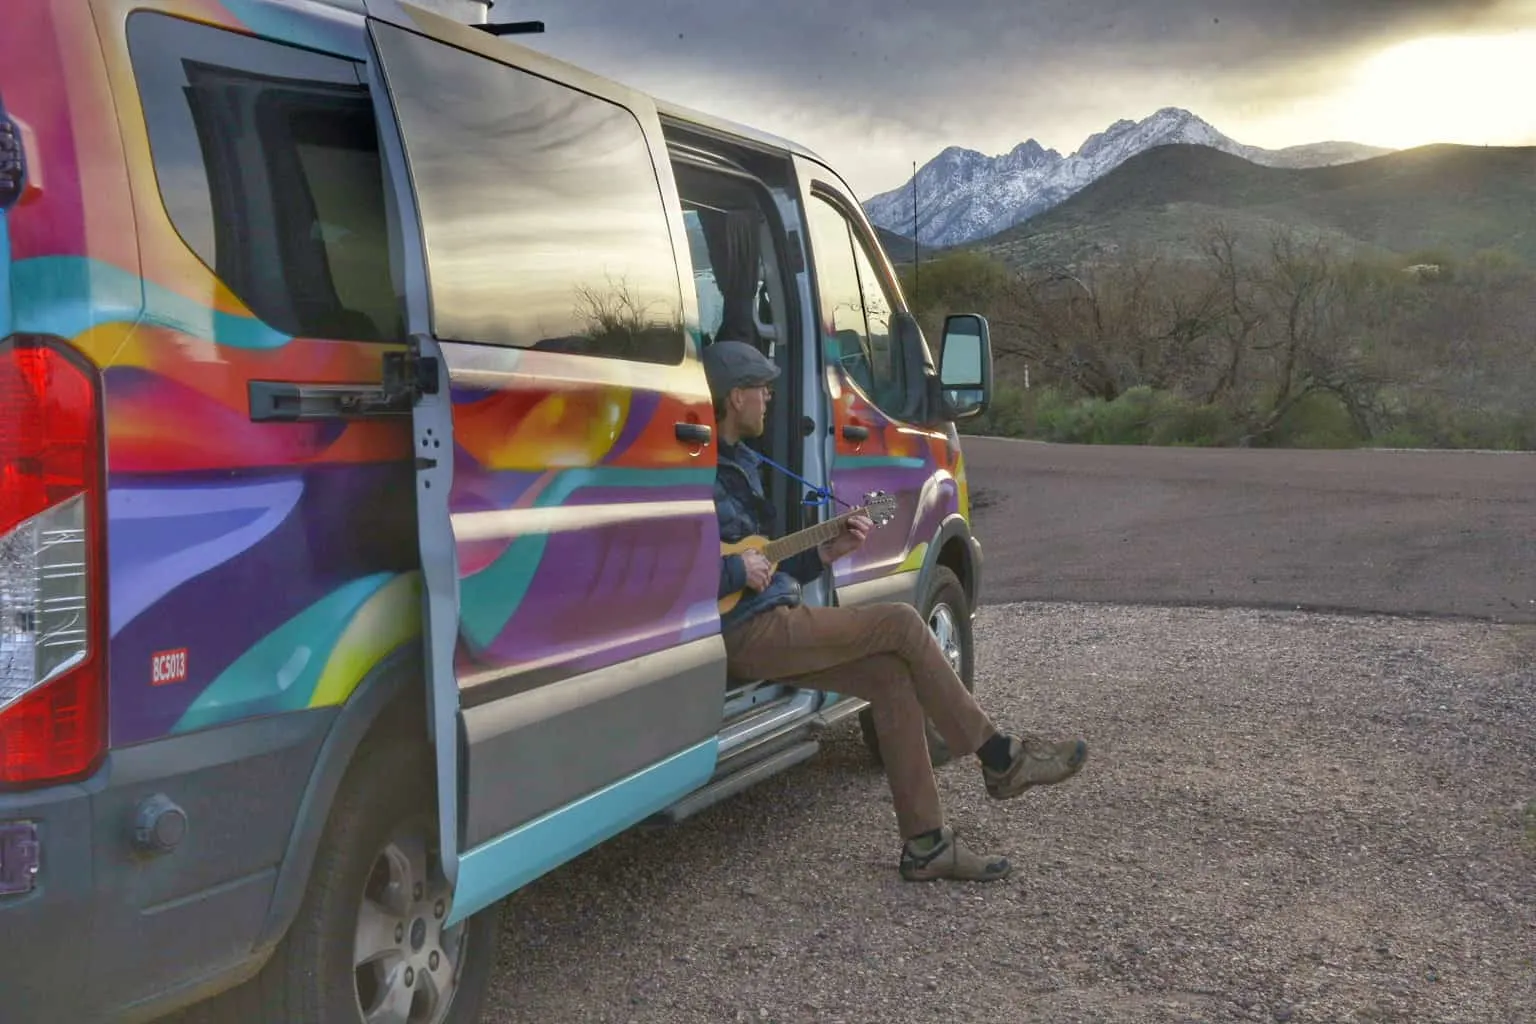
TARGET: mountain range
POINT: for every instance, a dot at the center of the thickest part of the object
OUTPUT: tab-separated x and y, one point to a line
963	195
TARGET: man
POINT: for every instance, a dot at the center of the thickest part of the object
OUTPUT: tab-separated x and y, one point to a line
882	653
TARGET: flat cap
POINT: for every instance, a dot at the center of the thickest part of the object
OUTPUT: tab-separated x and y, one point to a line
735	364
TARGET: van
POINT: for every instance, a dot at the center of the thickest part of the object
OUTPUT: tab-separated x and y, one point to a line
358	559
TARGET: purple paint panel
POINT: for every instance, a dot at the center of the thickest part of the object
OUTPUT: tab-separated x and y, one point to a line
212	565
924	496
603	587
611	591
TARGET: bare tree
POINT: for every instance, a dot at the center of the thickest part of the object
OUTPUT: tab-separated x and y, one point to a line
1239	318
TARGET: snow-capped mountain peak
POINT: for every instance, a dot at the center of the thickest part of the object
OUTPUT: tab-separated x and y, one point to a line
1125	139
964	195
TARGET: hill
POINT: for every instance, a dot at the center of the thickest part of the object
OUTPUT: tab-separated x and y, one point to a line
1455	200
898	247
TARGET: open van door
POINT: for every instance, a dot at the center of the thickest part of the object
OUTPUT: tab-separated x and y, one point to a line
565	453
876	367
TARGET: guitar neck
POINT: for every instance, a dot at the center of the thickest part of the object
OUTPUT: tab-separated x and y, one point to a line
787	547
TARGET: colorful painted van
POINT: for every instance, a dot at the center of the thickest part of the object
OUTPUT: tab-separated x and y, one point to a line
358	561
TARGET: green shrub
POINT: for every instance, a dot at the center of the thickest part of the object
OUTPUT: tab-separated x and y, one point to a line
1426	421
1009	415
1143	416
1185	424
1140	416
1318	420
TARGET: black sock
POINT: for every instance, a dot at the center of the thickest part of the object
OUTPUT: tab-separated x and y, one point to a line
995	753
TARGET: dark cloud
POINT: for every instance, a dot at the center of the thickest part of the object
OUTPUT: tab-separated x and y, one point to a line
988	72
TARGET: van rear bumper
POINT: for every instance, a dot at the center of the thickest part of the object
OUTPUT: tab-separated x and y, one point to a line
45	933
114	929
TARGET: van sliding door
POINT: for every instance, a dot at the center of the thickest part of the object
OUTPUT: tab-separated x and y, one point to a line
578	623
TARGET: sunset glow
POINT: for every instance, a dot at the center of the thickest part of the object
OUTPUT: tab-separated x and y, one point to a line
1475	90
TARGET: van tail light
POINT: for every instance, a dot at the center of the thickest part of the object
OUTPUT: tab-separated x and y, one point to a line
52	612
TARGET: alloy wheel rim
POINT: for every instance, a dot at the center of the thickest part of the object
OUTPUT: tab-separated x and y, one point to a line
941	621
406	964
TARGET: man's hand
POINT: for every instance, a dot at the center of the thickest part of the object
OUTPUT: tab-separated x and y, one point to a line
759	570
850	540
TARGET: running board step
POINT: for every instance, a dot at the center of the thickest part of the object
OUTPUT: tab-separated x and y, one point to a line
843	709
734	783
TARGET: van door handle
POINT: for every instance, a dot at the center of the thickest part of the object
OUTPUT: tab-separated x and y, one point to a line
851	433
273	401
693	433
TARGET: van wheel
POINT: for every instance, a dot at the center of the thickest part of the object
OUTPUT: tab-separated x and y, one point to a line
368	945
949	619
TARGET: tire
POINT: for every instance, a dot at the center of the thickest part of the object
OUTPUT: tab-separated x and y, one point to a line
378	850
944	607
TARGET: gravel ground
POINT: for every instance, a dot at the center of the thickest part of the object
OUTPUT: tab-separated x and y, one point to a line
1285	816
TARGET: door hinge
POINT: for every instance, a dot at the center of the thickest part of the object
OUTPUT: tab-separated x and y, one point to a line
408	375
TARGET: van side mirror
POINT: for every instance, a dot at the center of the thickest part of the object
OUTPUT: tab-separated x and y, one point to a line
965	366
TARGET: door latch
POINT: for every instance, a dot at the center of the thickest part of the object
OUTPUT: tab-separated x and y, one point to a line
406	377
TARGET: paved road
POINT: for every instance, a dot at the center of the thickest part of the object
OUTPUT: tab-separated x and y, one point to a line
1419	533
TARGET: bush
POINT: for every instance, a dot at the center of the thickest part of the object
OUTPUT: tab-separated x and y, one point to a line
1190	425
1141	416
1010	414
1425	421
1316	421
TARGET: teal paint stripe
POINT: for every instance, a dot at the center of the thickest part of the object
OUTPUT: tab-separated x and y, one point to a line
68	295
331	31
571	480
501	866
164	308
489	598
279	672
877	462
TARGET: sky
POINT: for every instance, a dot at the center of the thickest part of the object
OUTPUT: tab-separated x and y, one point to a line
873	85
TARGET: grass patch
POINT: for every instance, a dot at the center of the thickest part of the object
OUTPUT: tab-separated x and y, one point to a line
1316	421
1141	416
1423	421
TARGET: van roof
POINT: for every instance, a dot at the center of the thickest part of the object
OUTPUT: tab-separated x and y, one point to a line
468	12
734	129
457	9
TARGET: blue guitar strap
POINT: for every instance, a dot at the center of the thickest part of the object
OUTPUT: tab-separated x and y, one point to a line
815	495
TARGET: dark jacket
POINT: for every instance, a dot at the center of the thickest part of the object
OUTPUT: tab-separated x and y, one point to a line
743	510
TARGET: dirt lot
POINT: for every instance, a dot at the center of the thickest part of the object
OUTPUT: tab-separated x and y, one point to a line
1286	816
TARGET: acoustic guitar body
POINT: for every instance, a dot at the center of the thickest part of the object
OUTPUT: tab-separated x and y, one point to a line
755	542
879	506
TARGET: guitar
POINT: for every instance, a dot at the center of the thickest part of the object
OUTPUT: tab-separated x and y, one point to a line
878	506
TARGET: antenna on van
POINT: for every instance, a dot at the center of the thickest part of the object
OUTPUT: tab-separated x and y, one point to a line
513	28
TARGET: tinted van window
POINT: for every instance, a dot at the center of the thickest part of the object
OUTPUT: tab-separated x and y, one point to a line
544	221
855	309
267	159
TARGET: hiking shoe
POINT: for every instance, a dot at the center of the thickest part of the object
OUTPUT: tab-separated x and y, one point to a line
1035	762
951	859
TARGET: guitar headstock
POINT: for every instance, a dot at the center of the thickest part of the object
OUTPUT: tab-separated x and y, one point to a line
880	507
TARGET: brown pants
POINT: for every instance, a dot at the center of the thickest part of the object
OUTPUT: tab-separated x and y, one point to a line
884	654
